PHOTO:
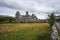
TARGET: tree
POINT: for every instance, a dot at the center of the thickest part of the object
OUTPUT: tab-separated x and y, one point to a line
51	19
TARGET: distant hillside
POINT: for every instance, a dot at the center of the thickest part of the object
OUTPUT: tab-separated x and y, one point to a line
4	18
57	18
10	19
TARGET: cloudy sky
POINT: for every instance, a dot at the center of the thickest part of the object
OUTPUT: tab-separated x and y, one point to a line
38	7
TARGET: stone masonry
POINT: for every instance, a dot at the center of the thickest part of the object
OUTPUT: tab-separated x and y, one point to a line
26	18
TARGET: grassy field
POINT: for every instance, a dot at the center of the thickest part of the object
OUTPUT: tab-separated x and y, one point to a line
25	31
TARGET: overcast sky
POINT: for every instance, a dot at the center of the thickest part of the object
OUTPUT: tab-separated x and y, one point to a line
37	7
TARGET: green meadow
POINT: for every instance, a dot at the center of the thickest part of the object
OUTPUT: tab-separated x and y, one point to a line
25	31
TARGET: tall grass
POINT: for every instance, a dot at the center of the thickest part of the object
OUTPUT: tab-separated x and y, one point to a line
25	31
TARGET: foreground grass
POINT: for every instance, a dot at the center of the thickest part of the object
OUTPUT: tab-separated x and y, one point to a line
25	31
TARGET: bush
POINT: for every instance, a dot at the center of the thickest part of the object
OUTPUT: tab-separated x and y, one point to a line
51	19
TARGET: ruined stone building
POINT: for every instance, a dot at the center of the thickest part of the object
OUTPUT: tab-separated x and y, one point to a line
25	18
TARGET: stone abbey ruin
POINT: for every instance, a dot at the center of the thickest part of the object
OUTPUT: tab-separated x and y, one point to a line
26	18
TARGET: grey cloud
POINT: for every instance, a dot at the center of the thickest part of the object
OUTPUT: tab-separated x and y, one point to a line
15	5
24	4
37	6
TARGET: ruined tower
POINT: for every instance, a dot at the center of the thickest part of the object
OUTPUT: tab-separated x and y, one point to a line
17	16
27	13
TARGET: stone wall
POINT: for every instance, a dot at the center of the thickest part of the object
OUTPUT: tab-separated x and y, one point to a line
54	35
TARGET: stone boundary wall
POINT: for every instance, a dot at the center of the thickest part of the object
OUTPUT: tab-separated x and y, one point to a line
54	35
